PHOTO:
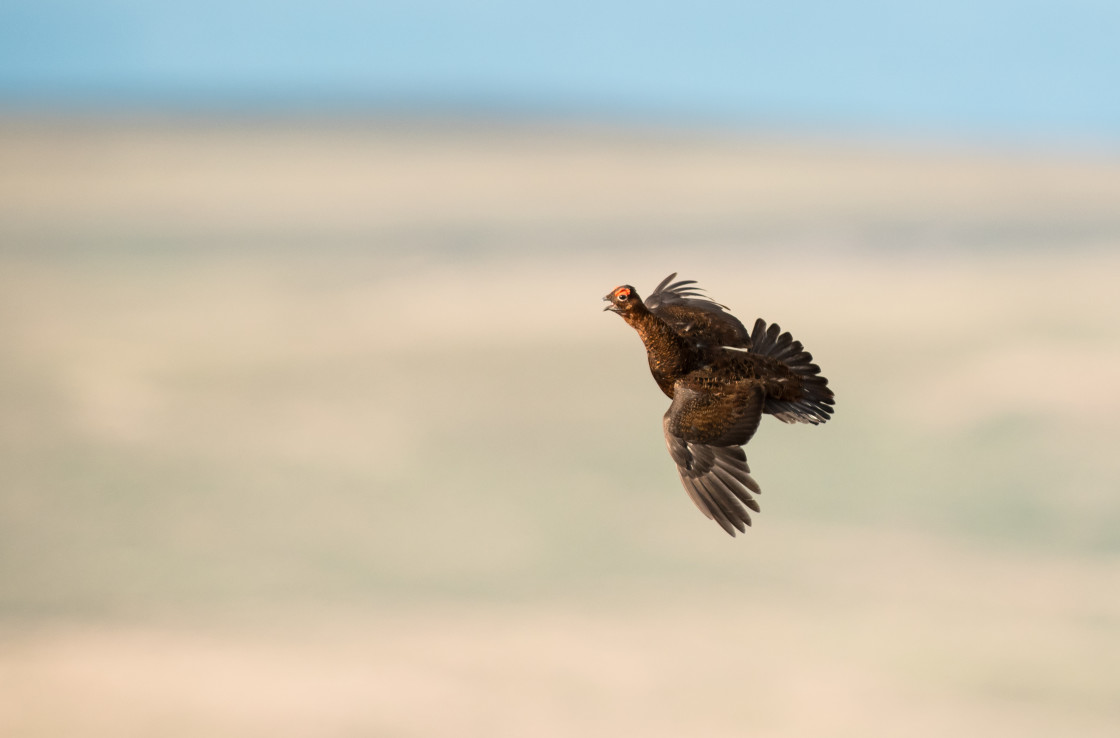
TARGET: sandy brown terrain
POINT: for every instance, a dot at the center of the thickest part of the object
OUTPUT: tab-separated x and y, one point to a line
319	430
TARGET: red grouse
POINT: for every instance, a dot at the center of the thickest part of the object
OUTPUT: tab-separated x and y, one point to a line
721	379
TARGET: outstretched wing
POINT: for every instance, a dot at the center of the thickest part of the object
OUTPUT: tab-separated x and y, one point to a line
689	312
704	431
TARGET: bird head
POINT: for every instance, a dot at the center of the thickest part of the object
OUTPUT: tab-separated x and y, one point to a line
622	300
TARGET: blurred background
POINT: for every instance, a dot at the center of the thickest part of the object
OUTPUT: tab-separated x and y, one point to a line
312	423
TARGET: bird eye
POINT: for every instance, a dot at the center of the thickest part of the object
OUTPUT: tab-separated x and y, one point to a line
623	296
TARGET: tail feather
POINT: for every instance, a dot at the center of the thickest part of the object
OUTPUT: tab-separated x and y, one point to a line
816	401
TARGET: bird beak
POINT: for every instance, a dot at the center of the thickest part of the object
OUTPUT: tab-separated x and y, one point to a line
609	307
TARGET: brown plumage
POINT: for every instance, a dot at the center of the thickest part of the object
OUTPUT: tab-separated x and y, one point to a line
721	379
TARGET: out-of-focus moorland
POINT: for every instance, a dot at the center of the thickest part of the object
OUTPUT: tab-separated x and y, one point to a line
318	429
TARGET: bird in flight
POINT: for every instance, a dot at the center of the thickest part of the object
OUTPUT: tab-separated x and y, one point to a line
721	379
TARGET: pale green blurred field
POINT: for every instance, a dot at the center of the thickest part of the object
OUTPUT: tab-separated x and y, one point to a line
320	430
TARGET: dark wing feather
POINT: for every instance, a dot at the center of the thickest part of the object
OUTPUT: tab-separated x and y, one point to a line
703	432
691	313
813	400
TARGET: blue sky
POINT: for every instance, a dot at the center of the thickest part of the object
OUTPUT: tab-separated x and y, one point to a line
983	68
